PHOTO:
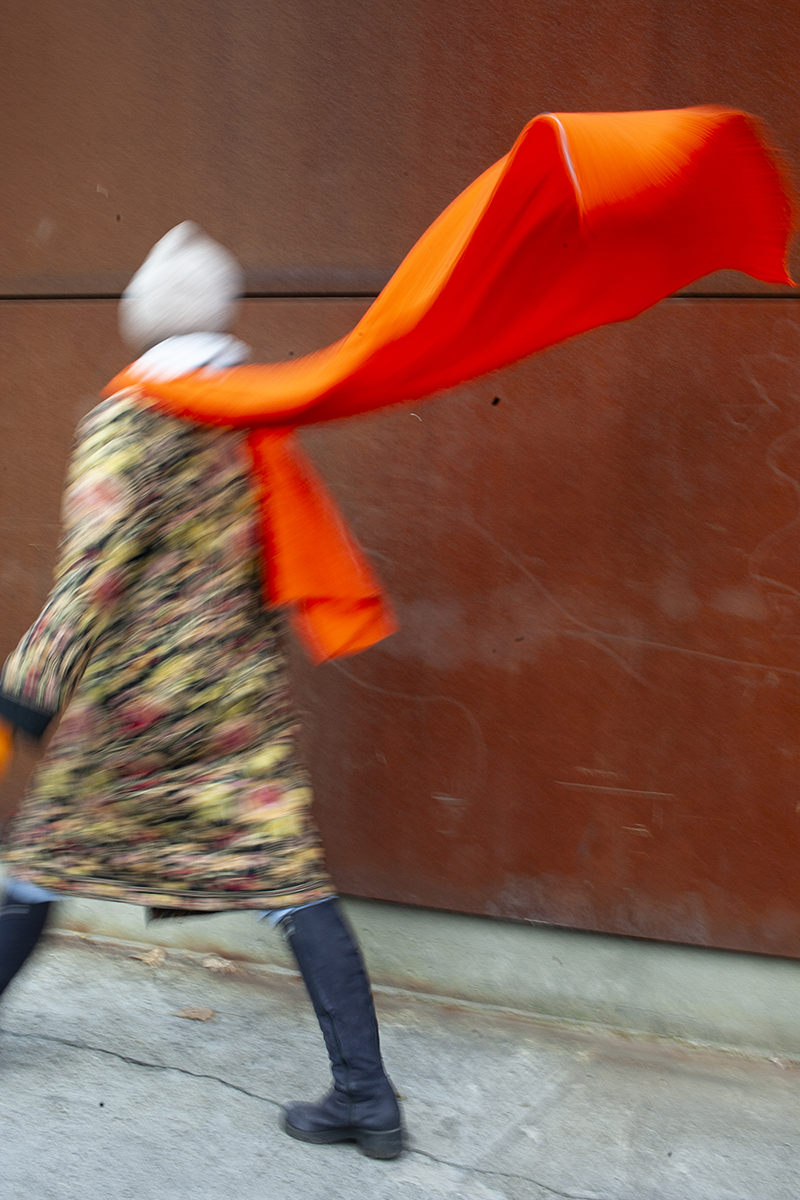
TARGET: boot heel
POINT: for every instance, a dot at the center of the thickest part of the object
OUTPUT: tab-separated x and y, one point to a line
382	1143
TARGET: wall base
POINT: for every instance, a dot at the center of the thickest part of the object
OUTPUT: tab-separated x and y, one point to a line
717	997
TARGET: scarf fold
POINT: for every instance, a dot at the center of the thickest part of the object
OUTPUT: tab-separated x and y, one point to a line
313	566
590	218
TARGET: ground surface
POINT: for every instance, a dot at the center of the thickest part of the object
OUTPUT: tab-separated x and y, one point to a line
105	1094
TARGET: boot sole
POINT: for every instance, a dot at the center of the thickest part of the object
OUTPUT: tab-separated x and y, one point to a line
374	1143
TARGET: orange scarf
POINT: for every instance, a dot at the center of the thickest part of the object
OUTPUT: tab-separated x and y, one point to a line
591	218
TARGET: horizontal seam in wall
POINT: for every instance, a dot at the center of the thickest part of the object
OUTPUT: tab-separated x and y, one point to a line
115	296
28	297
735	296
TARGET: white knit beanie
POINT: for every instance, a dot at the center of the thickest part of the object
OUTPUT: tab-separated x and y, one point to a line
187	284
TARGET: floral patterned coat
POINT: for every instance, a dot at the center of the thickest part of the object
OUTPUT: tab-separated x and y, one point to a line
174	779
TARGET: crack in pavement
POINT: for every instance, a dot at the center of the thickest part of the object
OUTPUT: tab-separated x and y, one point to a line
507	1175
139	1062
234	1087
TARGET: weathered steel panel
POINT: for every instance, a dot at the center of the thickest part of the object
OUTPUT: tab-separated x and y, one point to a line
319	138
589	716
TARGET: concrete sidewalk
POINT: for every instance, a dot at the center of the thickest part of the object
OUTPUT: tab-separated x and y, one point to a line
106	1093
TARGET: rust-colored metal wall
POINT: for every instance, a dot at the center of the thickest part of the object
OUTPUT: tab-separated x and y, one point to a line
320	137
589	715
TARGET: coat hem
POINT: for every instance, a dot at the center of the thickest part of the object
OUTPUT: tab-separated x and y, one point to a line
190	901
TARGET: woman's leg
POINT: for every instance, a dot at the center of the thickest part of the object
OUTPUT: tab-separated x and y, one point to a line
22	922
362	1105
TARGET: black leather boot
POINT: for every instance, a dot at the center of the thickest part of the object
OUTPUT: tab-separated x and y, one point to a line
21	926
362	1106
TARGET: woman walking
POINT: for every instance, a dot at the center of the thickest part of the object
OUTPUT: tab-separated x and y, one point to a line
174	779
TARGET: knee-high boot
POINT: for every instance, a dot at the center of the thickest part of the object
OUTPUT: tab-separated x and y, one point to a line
362	1106
21	926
